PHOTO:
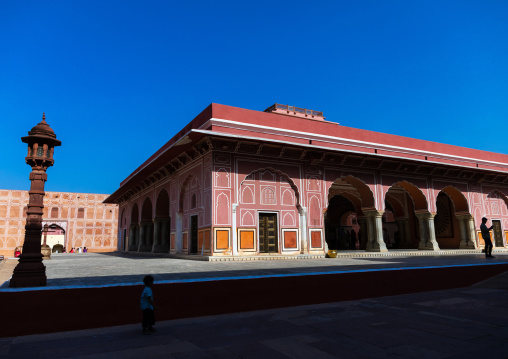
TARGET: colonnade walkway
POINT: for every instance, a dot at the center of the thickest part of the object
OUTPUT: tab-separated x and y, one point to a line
462	323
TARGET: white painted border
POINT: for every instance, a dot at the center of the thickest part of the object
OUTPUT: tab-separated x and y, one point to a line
297	249
214	239
253	251
310	239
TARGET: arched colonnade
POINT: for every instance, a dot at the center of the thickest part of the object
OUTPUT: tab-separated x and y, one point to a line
406	220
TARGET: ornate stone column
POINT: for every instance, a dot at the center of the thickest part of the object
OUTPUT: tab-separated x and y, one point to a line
164	236
156	248
179	233
463	218
149	236
427	231
375	242
132	233
142	234
473	241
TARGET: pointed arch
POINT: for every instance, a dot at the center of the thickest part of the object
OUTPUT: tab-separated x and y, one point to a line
247	195
288	220
188	180
499	198
458	199
359	189
135	214
419	199
146	211
162	204
248	219
222	210
251	175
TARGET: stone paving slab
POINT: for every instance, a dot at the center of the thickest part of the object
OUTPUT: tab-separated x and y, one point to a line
94	269
457	324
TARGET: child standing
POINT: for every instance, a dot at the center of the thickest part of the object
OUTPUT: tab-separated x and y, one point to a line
147	306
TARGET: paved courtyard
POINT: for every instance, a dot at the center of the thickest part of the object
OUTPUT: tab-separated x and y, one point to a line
464	323
92	269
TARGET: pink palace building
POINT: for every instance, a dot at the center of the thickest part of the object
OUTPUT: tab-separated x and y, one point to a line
285	182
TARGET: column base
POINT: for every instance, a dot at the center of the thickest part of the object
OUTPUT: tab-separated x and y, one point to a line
429	247
157	249
143	249
376	250
466	245
28	275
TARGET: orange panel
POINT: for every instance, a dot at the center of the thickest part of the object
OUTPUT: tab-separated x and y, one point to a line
200	240
207	239
246	239
172	241
480	239
184	244
290	239
315	241
222	239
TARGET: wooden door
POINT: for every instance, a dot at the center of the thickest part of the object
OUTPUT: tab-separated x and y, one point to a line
194	234
268	239
498	234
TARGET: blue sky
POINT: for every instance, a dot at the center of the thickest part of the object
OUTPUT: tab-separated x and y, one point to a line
117	79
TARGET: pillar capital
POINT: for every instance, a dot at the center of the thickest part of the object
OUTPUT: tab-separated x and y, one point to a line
425	215
463	216
372	212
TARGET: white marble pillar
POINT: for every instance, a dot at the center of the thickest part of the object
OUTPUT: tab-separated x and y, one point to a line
234	233
303	230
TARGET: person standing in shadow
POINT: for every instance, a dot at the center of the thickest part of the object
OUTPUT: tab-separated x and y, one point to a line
486	237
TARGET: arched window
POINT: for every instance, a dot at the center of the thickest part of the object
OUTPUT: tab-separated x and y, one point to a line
268	196
54	212
81	213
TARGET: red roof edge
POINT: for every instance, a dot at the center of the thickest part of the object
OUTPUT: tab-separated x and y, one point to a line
198	121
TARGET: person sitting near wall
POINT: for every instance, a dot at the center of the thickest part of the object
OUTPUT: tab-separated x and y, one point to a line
17	252
72	250
85	250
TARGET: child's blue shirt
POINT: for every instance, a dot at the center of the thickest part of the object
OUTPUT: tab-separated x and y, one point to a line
145	303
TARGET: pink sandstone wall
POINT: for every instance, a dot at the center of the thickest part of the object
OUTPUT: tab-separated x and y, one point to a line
87	222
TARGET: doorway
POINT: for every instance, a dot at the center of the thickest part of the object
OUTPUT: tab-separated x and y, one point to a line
268	239
498	234
194	234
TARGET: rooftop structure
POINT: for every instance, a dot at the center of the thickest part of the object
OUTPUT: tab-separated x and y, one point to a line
243	182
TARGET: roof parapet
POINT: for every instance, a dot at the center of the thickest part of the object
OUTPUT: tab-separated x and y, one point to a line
296	112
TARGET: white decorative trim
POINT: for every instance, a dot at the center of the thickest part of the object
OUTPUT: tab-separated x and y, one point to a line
214	239
297	249
255	249
310	239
